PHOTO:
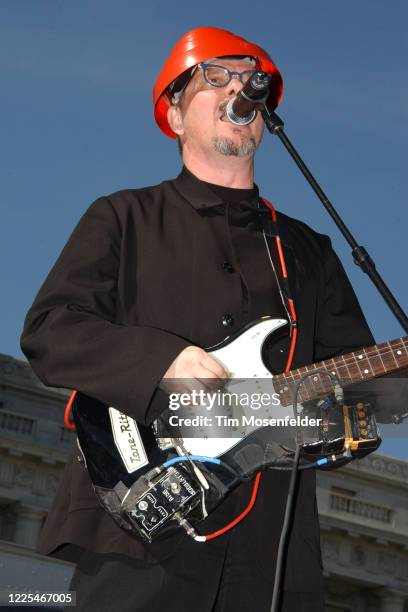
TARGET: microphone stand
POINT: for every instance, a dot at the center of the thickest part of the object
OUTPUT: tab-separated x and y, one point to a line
275	126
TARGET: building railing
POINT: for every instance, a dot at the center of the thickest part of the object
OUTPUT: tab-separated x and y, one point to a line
10	421
360	508
22	427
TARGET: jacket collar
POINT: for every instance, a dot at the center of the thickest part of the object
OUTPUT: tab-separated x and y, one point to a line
199	194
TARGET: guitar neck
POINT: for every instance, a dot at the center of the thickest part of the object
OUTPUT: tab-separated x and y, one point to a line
364	364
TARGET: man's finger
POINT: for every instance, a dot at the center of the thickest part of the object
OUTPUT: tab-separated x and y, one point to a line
213	366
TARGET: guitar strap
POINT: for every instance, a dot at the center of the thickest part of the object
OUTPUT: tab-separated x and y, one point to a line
272	230
280	270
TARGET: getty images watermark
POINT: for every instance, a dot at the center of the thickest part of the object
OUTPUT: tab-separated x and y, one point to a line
229	409
201	398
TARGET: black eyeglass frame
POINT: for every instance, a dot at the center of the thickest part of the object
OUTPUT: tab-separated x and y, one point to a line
186	77
229	73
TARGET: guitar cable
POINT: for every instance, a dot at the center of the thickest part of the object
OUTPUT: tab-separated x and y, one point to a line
290	500
211	536
289	307
203	459
286	297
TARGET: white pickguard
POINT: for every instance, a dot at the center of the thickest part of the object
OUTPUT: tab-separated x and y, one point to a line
242	359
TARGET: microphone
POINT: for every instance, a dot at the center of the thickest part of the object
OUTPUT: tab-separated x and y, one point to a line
241	110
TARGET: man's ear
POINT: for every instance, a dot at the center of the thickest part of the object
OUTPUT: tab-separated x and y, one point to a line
175	119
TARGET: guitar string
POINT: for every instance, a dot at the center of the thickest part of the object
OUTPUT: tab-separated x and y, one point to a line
284	379
366	355
383	352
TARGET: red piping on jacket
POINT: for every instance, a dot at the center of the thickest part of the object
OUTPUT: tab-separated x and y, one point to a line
291	304
67	413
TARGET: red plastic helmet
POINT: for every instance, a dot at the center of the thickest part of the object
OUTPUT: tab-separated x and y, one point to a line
200	45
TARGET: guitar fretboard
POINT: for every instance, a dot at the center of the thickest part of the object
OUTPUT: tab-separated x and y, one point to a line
364	364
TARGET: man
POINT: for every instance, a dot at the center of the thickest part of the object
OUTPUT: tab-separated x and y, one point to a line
148	279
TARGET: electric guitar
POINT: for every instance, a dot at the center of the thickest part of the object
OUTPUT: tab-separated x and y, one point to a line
152	478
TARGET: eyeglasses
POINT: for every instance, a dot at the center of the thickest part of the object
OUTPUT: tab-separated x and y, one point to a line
214	75
219	76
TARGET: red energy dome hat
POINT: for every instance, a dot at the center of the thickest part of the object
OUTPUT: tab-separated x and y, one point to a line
200	45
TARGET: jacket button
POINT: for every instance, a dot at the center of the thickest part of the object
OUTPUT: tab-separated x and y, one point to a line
228	267
227	320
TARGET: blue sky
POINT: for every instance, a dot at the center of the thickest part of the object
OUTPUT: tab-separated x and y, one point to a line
76	123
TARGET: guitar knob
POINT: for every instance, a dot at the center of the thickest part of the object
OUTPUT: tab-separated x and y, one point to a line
175	487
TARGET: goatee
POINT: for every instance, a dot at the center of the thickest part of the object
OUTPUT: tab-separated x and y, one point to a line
227	146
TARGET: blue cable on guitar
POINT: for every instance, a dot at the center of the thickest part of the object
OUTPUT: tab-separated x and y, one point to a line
191	458
216	461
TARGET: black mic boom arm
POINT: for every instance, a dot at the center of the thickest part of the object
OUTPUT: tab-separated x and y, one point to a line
275	126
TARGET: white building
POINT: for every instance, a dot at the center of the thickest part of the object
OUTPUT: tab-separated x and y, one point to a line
363	511
363	507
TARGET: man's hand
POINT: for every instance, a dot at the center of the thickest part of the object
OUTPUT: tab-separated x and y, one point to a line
193	368
194	362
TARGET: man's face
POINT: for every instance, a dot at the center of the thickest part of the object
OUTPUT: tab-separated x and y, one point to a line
201	116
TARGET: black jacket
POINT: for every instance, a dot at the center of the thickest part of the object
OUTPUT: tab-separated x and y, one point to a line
143	276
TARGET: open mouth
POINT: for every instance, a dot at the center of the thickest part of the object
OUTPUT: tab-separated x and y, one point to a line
223	117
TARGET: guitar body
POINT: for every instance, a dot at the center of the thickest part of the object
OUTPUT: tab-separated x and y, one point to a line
127	461
110	455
